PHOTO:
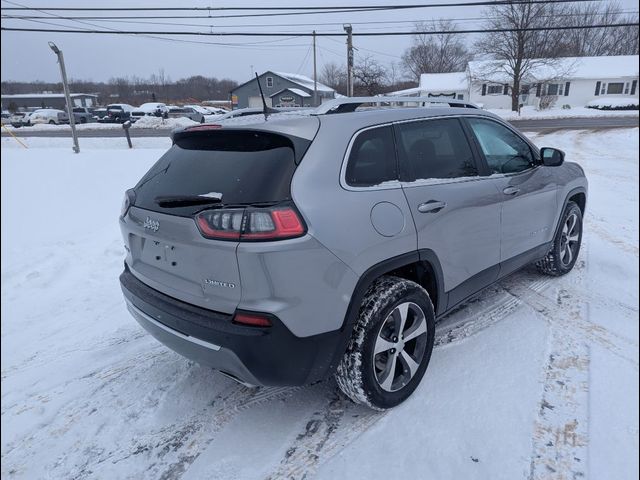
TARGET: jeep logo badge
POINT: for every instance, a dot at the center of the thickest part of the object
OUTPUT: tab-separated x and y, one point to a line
151	224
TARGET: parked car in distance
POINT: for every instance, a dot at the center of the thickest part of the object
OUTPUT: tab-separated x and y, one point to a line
118	113
99	114
330	243
155	109
216	110
49	116
6	117
83	114
193	112
17	118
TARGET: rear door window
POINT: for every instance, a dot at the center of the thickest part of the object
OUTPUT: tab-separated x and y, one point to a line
372	159
240	167
435	149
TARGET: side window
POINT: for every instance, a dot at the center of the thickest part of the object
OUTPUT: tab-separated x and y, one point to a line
505	151
435	149
372	160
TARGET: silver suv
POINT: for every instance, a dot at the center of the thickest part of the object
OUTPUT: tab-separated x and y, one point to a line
292	248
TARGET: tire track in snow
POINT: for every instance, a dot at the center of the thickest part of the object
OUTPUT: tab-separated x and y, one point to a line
561	431
329	430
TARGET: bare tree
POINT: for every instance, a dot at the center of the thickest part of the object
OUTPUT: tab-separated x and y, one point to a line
369	76
519	54
598	41
335	76
435	53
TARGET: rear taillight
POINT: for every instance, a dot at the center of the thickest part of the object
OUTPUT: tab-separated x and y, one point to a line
129	199
251	224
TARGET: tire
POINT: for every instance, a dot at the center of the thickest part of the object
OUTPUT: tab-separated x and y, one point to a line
83	120
52	122
364	376
566	244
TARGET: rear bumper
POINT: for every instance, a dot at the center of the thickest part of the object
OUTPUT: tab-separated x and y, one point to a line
258	356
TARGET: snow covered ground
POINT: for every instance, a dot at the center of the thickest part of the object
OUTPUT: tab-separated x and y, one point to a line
530	113
536	377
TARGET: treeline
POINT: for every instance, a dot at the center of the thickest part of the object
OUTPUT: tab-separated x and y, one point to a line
136	90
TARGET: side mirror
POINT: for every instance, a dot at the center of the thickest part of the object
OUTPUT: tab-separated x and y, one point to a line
551	157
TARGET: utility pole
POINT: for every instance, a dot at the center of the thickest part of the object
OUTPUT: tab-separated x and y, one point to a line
347	28
67	95
315	73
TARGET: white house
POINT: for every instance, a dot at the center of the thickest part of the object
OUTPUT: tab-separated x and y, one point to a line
572	81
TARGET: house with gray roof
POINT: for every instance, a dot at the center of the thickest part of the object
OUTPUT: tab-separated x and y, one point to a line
281	89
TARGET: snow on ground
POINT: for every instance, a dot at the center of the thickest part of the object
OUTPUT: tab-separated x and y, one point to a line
530	113
536	377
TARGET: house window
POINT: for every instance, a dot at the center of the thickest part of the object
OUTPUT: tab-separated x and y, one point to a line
615	88
626	88
604	86
269	82
495	89
554	89
460	97
524	89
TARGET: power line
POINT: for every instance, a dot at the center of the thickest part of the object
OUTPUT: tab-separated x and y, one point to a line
271	8
325	34
261	25
326	10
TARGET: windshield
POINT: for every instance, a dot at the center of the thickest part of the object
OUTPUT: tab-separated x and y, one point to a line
240	167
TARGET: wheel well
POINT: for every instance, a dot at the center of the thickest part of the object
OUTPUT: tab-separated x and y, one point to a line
580	199
423	274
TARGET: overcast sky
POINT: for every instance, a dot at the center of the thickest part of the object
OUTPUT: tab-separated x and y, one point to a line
26	55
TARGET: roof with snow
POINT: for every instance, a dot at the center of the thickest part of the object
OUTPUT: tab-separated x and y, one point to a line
407	92
297	91
438	82
304	81
567	67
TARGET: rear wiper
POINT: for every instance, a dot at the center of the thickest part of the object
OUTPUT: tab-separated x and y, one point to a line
174	201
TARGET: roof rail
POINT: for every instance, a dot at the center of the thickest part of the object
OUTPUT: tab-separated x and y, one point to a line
350	104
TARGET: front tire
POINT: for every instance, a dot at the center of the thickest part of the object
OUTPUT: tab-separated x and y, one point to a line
391	344
566	244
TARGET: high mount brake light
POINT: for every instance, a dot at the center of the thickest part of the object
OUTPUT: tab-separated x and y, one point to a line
251	224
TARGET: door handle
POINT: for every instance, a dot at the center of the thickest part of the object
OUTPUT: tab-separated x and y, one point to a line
432	206
511	191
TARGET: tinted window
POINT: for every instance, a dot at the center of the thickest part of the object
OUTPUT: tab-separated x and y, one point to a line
372	160
245	167
505	151
435	149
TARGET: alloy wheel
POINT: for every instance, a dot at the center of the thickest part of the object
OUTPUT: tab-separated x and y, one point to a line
400	346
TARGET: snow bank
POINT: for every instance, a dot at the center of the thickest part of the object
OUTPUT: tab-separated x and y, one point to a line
163	123
530	113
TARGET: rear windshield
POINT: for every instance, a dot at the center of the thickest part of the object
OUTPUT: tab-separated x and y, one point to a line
242	167
114	107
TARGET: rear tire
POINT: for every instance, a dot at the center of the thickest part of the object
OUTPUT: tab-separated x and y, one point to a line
391	344
51	122
566	244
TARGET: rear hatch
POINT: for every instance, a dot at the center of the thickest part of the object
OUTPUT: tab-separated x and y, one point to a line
205	173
